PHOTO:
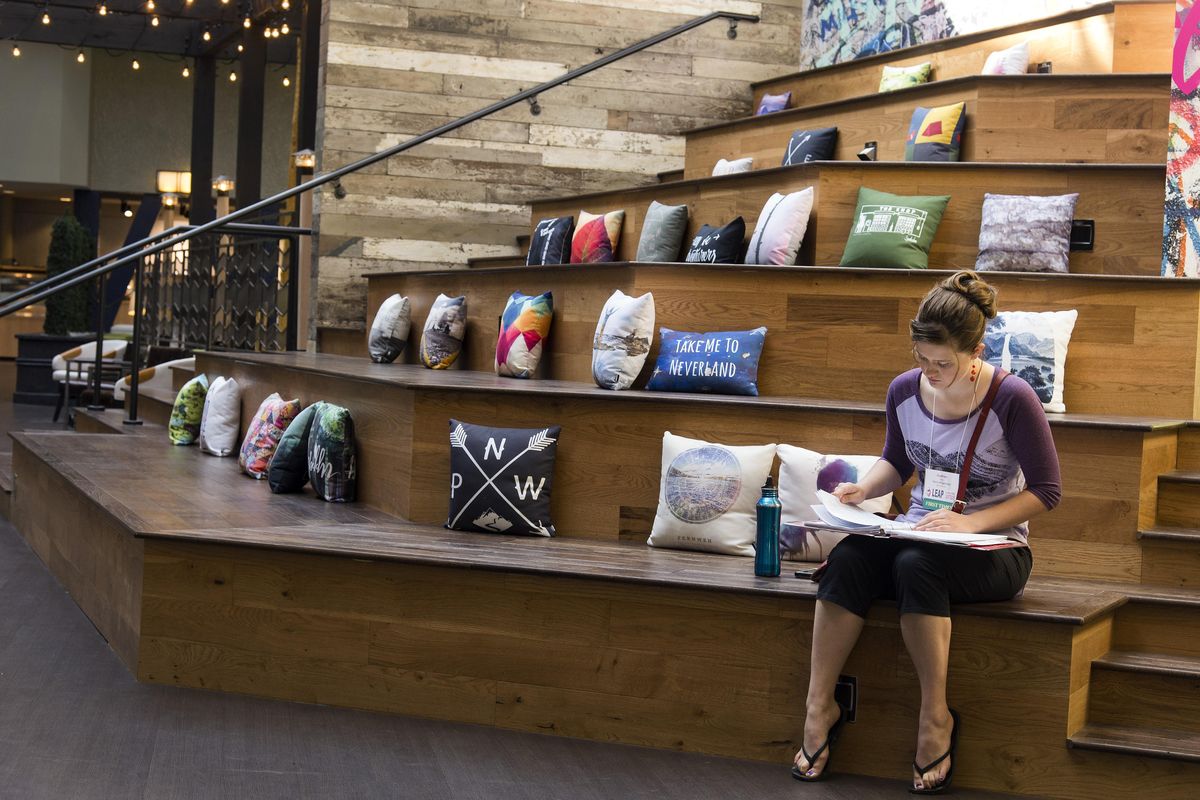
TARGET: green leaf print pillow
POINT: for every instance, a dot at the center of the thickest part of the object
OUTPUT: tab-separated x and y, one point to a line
184	427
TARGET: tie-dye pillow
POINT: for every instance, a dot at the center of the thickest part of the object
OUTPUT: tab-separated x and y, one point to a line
596	237
523	328
188	411
445	329
273	417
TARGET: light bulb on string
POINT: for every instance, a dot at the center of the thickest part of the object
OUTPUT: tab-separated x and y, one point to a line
284	29
206	36
149	5
136	64
102	10
266	33
80	57
286	81
16	51
241	48
246	22
154	20
45	17
187	73
233	77
285	5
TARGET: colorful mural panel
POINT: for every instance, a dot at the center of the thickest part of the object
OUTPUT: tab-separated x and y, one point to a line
1181	232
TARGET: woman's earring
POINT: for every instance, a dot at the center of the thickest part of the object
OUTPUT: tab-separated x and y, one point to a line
974	369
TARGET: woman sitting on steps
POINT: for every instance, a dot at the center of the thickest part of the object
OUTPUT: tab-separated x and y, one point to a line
1013	474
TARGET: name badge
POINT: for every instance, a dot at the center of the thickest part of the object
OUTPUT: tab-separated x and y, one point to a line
940	489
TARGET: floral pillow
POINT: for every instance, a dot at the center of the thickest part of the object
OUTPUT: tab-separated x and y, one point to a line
905	77
273	417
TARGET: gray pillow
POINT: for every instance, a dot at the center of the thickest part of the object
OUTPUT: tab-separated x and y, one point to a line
1021	233
662	233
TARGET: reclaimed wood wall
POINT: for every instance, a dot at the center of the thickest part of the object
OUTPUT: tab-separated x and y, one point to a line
392	69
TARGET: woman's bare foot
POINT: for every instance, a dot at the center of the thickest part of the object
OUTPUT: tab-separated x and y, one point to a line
820	718
933	739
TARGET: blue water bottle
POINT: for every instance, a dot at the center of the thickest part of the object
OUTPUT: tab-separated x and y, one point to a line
766	543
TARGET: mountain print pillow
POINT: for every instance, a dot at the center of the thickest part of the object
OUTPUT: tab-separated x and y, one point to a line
1033	346
389	330
706	495
188	411
1021	233
622	341
596	238
523	329
332	458
550	242
267	427
445	329
724	362
663	230
500	479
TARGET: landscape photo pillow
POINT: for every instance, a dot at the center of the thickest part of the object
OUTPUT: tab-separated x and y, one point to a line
892	230
444	331
706	495
550	242
780	228
524	327
771	103
622	341
935	134
596	238
501	479
905	77
188	411
1033	346
723	362
389	331
721	245
663	230
816	144
1026	233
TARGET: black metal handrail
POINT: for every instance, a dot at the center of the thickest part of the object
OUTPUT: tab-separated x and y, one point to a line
100	267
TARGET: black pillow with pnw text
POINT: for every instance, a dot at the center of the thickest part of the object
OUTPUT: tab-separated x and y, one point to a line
500	479
718	245
550	242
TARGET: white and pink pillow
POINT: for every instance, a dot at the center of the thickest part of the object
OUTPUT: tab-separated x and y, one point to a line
780	228
1013	61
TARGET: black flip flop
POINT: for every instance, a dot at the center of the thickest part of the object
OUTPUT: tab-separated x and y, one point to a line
830	738
941	787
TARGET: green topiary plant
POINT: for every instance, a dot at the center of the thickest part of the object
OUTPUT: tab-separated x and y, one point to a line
70	246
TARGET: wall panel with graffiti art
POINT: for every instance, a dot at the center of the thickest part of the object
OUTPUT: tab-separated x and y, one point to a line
1181	234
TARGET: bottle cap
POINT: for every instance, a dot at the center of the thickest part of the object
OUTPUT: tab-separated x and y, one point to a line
770	484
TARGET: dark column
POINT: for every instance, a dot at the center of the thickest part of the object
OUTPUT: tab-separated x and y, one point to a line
204	96
310	58
252	76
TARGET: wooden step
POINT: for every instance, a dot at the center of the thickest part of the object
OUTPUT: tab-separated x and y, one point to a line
1179	499
180	376
1158	621
670	175
1189	447
1145	690
1120	37
484	262
1016	118
1171	555
113	421
155	404
1123	200
1162	743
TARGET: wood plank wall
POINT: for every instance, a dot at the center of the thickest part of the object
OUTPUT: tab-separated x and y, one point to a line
393	69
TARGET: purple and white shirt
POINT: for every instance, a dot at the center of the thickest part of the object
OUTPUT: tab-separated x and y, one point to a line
1014	452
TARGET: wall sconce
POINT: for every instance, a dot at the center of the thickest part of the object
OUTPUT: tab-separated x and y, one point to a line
173	181
305	159
223	185
869	152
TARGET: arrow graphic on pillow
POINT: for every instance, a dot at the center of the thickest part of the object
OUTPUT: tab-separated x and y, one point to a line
537	443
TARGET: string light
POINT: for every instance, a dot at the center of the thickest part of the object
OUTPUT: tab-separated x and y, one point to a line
154	20
285	5
233	77
16	51
246	22
45	17
206	36
102	10
80	57
275	33
287	81
149	5
187	73
284	29
241	48
266	33
136	64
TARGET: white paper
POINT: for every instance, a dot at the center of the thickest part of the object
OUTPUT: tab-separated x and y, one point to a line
835	512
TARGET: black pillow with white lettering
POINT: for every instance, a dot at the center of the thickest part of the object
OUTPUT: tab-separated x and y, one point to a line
500	479
718	245
550	242
810	145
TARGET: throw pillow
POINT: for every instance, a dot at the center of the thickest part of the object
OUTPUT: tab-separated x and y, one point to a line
500	479
905	77
332	460
771	103
222	417
662	233
1026	234
288	469
810	145
1013	61
891	230
524	327
780	228
935	134
445	329
273	417
188	411
389	331
724	167
724	362
706	495
622	341
1033	346
596	238
550	242
718	245
801	473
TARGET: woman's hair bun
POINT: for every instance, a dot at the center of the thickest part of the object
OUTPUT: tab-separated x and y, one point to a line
968	283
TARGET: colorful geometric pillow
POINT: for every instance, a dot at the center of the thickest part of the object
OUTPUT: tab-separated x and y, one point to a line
188	411
801	473
332	461
780	228
622	341
663	230
288	470
1022	233
445	329
595	239
718	245
706	495
722	362
892	230
222	418
1013	61
905	77
935	134
500	479
550	242
389	331
773	102
724	167
273	417
523	327
810	145
1033	346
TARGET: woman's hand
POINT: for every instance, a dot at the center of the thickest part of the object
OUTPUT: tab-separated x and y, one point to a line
946	520
849	493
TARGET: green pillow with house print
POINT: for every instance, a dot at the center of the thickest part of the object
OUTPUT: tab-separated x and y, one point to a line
893	230
188	411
